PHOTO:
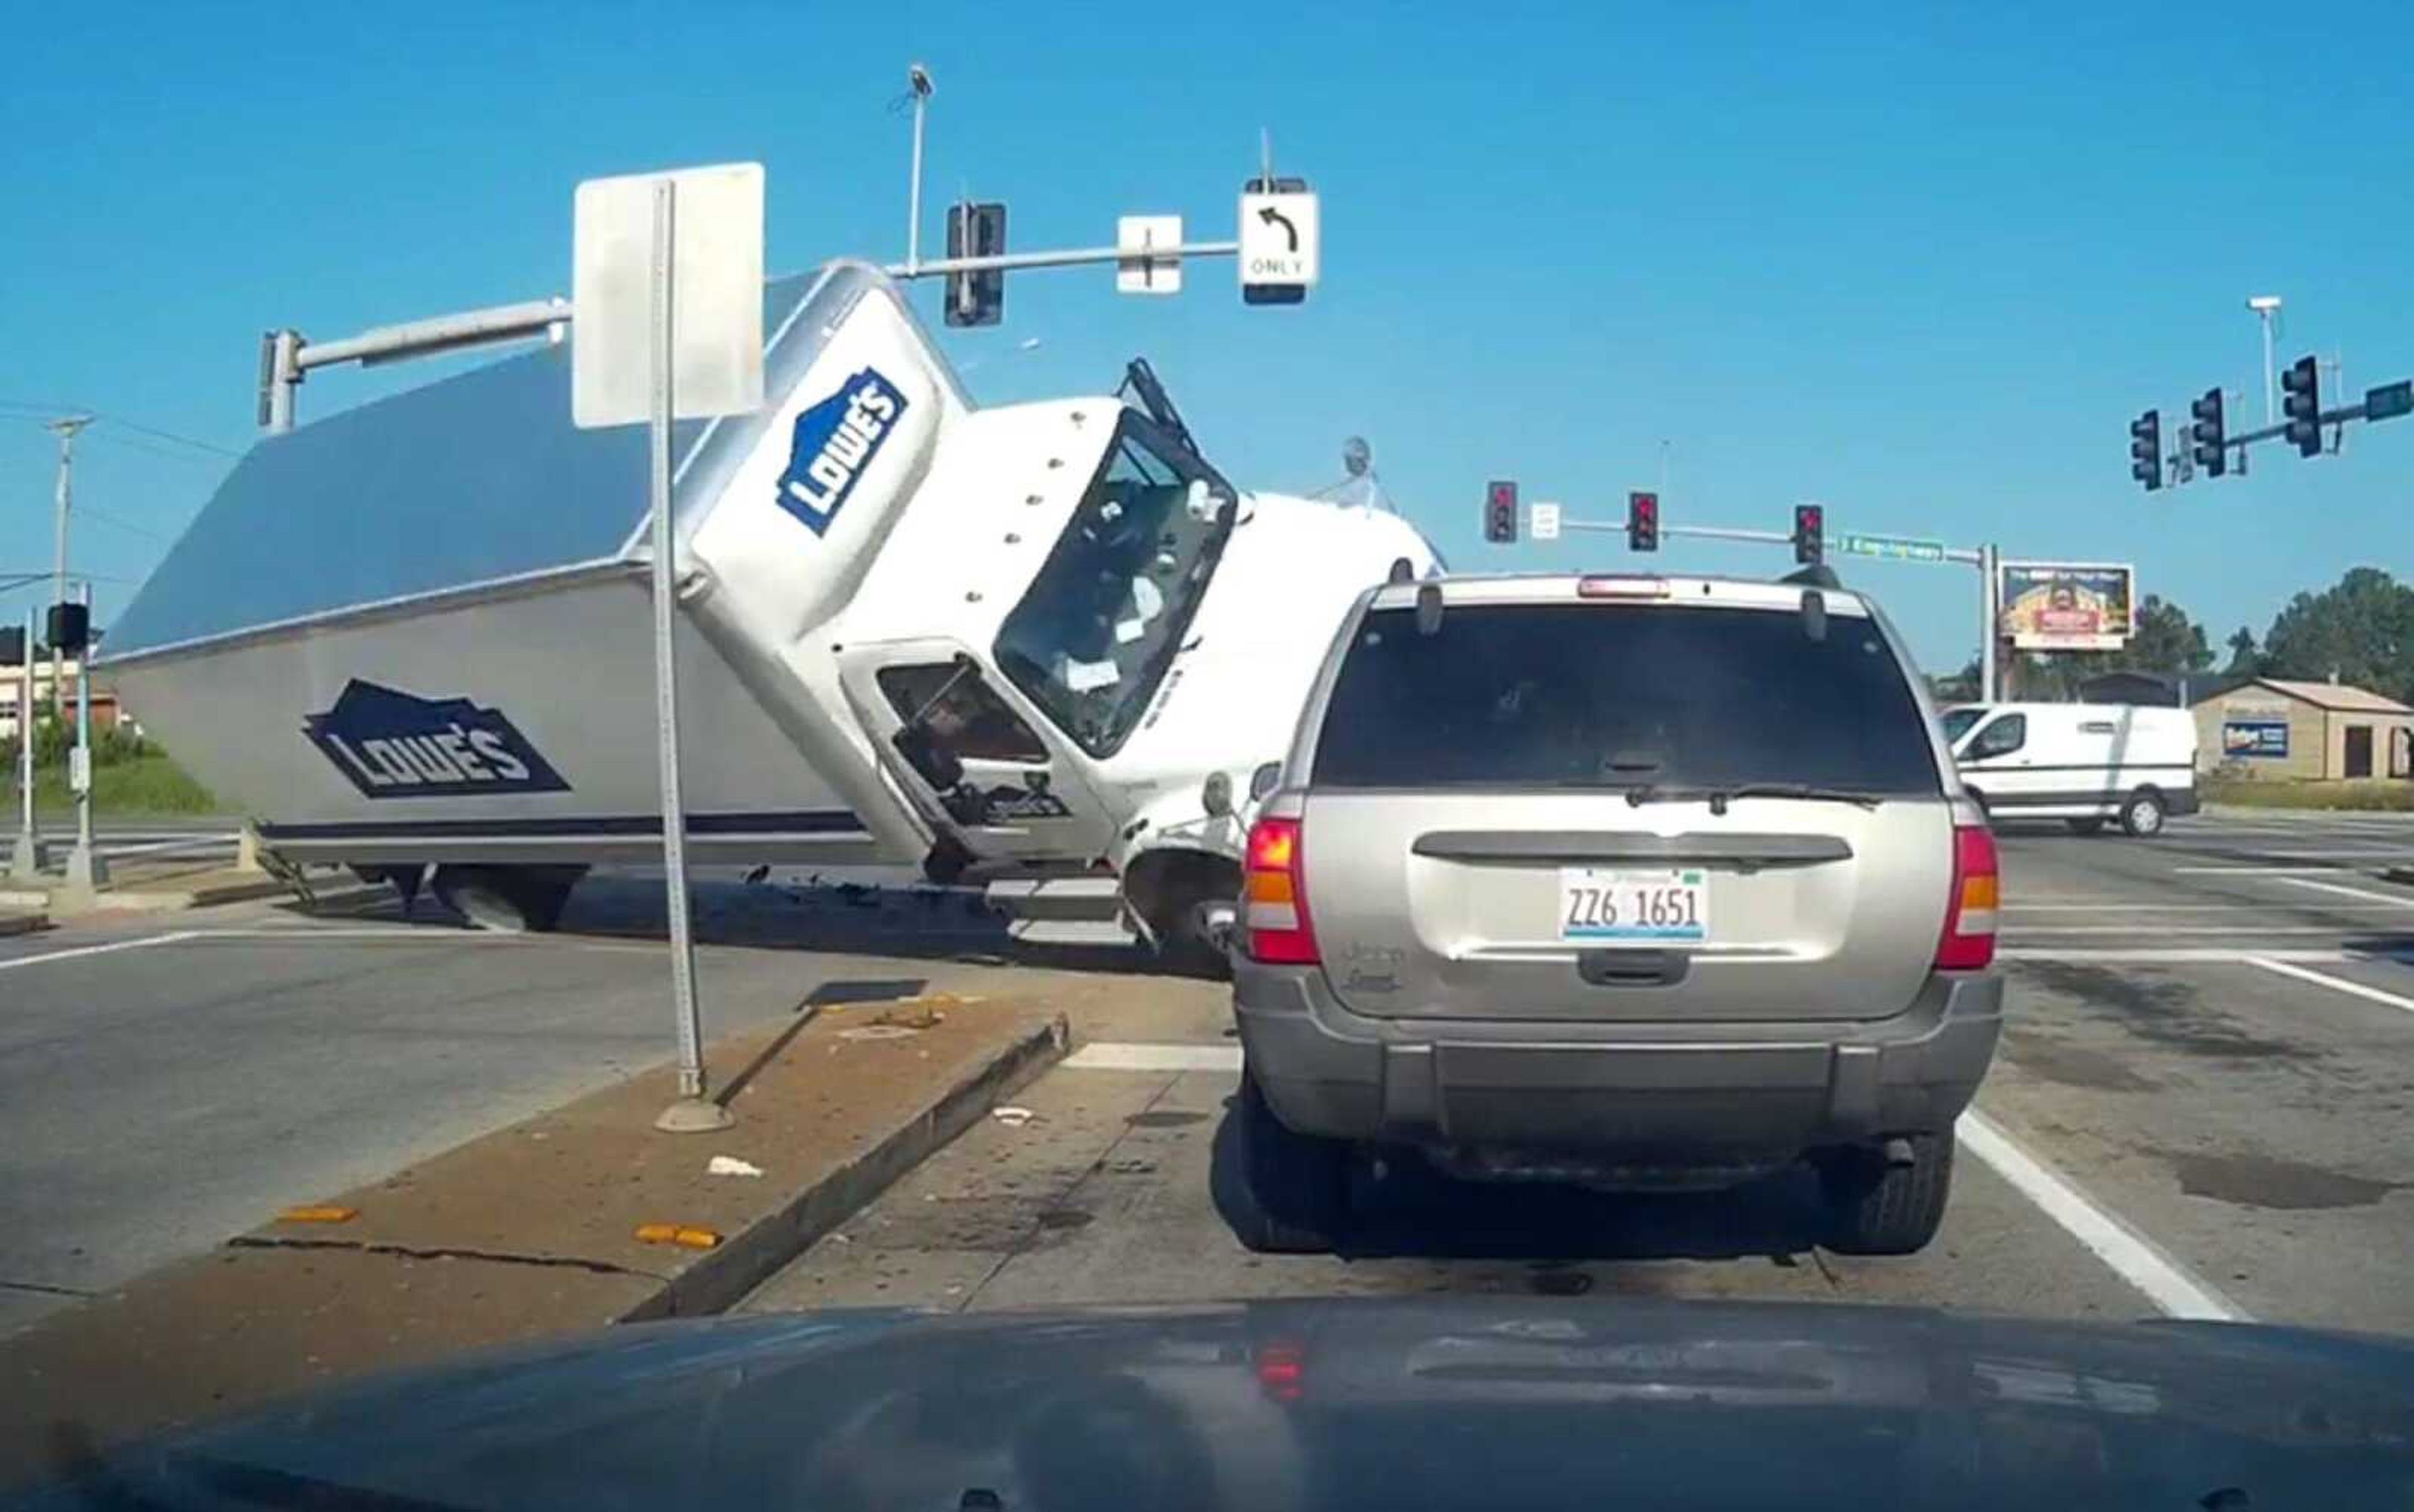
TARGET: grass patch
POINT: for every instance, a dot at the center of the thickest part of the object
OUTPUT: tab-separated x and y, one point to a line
2396	796
147	784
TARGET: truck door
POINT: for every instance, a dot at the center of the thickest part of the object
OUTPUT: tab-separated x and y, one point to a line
977	763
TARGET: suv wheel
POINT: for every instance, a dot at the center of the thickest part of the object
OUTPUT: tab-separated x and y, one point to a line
1875	1208
1293	1189
2142	816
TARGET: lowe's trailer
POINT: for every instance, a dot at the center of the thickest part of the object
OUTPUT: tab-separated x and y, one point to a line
1028	640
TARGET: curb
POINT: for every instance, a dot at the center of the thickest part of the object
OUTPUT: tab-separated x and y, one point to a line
722	1279
22	923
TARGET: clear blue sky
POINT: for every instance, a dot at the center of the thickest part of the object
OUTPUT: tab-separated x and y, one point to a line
1921	263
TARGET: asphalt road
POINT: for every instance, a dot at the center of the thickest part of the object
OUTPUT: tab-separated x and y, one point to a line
2202	1108
2199	1107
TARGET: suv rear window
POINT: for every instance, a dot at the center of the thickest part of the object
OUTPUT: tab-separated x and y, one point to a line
1622	695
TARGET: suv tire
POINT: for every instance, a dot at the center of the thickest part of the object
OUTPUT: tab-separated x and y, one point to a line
1293	1189
1874	1208
2141	817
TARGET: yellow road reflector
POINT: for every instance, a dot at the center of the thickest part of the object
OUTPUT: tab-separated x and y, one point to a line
686	1239
324	1213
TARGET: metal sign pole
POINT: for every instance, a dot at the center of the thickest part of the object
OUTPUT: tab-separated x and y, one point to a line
25	859
694	1112
1991	612
86	871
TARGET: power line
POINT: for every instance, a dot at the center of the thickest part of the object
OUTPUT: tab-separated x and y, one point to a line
211	447
45	410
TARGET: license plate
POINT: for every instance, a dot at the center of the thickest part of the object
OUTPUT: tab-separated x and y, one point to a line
1618	904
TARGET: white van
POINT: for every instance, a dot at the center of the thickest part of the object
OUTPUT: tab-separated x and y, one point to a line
2081	763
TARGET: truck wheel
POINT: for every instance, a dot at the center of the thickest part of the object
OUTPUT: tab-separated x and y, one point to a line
1292	1191
508	900
2085	827
2141	817
1877	1208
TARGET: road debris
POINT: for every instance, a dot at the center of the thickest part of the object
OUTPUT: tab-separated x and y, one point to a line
686	1239
730	1165
1012	1117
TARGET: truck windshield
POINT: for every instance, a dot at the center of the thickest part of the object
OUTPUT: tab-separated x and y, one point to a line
1092	640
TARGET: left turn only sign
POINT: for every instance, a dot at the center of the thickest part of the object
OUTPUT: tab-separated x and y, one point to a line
1279	243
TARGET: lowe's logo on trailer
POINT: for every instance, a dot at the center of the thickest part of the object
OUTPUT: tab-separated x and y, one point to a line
833	442
391	744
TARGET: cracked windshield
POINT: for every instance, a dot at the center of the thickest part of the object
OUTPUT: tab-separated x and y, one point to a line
1517	751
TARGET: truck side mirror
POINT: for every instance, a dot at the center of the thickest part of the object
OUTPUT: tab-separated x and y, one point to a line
1264	780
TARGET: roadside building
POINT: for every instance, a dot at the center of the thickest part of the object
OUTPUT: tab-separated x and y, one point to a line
2315	731
104	700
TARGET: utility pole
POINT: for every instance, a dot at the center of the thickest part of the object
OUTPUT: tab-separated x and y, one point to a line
25	856
64	429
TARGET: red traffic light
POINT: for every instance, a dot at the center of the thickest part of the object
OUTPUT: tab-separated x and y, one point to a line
1500	511
1810	533
1643	521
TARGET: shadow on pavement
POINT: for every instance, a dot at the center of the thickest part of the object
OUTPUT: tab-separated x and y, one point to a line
914	924
1415	1212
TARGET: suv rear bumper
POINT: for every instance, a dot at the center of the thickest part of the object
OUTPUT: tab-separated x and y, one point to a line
1650	1096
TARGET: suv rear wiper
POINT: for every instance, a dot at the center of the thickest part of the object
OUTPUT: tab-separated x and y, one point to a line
1810	792
1719	797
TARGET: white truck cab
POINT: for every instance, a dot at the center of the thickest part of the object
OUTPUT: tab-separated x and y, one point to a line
2081	763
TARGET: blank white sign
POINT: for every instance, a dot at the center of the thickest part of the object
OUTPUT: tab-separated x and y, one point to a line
716	295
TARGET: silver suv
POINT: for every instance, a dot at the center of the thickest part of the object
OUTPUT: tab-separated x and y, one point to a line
1632	881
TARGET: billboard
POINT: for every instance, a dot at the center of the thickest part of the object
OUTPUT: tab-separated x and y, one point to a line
2066	606
2255	738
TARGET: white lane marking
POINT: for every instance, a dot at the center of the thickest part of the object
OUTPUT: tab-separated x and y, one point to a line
2254	871
1113	1057
12	963
2336	984
2187	908
2388	898
2136	1259
156	846
2171	956
2133	1257
2046	929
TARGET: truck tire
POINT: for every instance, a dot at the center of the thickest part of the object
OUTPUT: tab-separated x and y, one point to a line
1877	1208
2141	816
1291	1190
508	900
2086	827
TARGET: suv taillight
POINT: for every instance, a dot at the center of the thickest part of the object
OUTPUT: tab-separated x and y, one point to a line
1969	941
1274	926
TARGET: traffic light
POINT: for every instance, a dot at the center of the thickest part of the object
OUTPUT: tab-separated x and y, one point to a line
12	645
975	231
68	627
2211	449
1500	513
1642	522
2302	385
2146	449
1810	533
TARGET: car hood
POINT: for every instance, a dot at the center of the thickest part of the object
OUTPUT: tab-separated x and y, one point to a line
1501	1403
